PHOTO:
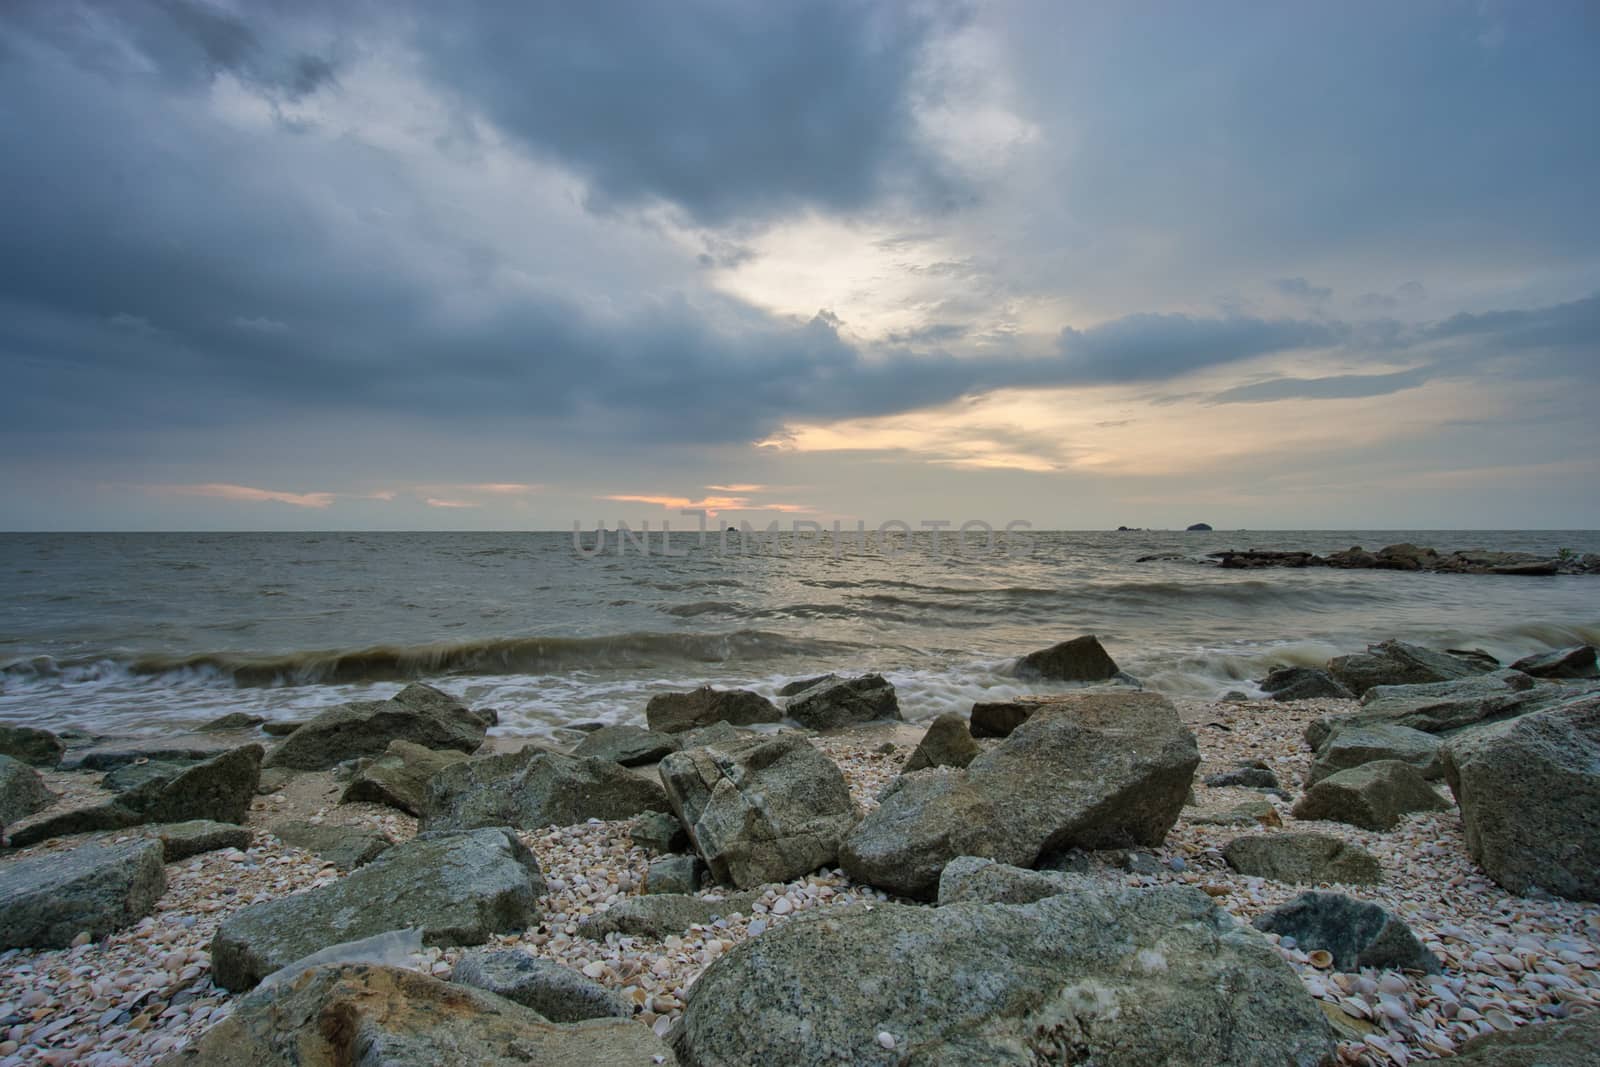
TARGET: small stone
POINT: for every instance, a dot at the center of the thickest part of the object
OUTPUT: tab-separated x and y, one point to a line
886	1039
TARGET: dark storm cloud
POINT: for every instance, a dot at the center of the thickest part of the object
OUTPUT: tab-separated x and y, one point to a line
730	110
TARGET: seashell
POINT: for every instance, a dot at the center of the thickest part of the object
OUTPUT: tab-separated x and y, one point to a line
1320	958
1393	984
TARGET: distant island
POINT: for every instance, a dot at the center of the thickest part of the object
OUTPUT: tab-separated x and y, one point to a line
1203	527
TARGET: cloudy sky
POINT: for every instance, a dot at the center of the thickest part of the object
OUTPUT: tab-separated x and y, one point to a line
496	265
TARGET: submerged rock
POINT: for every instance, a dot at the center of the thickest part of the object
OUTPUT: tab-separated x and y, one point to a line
672	713
234	720
1529	792
837	702
947	743
1116	978
1081	659
1093	770
1357	933
764	809
459	888
1303	858
418	713
1373	796
533	789
46	901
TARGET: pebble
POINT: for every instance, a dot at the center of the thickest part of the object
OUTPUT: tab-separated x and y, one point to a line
885	1039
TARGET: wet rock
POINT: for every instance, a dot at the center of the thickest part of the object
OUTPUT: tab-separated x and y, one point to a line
1397	663
1302	858
358	1015
659	831
558	993
346	847
35	747
22	791
1529	791
1303	683
1373	796
180	840
947	743
672	713
418	713
46	901
532	789
234	720
657	915
1575	662
1116	978
631	746
673	874
459	888
765	809
829	705
1351	746
399	778
1081	659
1357	933
1094	770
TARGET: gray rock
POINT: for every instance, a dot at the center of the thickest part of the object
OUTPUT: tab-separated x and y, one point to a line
273	779
418	713
1303	683
997	718
399	778
1351	746
112	753
533	789
829	705
22	791
673	874
457	887
1091	770
131	776
659	831
1529	792
948	743
281	727
1249	776
346	847
1398	663
971	879
718	733
234	720
180	840
1245	813
1081	659
1575	662
657	915
765	809
1568	1043
631	746
1373	796
358	1015
1475	656
558	993
1114	978
1441	707
1357	933
672	713
800	685
219	789
35	747
46	901
1302	858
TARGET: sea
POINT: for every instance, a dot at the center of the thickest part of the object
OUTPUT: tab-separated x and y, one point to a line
130	633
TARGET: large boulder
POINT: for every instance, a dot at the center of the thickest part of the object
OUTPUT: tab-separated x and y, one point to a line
218	789
1567	1043
1529	792
837	702
533	789
1081	659
1575	662
1090	770
631	746
418	713
35	747
22	791
672	713
359	1015
1439	707
763	809
46	901
1373	796
399	777
1302	858
1397	663
1303	683
947	743
459	888
558	993
1351	746
1356	933
1117	978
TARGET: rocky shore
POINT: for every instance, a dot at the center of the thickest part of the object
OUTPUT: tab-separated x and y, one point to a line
1395	857
1404	557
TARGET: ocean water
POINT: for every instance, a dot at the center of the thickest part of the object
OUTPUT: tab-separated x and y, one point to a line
143	632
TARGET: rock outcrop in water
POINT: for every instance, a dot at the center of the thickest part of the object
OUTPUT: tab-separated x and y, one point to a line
418	713
672	713
835	702
1409	557
1081	659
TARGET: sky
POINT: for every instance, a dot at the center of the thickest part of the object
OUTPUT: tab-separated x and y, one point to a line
390	265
